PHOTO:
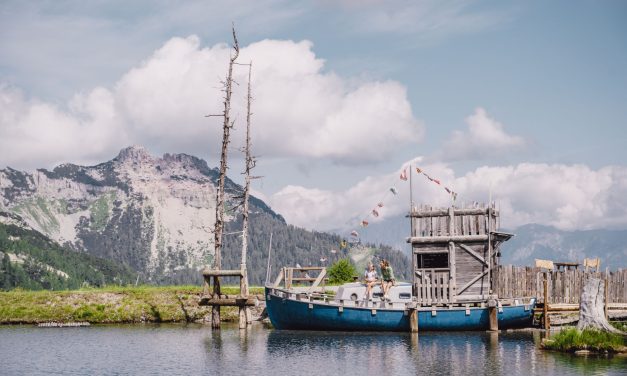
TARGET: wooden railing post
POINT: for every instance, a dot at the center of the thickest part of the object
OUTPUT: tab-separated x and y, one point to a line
545	308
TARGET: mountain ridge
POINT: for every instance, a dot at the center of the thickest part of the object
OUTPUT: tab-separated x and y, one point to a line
155	215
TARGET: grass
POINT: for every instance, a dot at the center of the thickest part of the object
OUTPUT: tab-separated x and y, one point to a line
111	305
572	339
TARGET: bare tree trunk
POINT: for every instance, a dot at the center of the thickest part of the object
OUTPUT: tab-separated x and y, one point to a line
591	309
244	312
219	226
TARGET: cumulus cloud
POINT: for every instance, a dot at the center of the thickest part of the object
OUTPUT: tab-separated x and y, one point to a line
568	197
299	109
35	134
485	138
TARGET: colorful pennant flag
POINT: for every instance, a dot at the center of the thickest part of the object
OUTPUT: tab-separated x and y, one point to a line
404	174
418	170
364	223
380	204
354	233
393	190
375	212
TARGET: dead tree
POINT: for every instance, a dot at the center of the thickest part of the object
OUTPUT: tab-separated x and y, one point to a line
219	225
244	312
592	302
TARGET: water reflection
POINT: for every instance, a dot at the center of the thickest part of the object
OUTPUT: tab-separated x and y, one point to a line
196	349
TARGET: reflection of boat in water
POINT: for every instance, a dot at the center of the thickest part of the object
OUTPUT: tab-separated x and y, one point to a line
455	252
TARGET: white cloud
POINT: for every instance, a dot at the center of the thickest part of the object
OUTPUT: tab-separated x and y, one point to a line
35	134
299	110
568	197
485	138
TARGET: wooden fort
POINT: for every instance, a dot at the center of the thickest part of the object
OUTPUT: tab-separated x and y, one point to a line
455	253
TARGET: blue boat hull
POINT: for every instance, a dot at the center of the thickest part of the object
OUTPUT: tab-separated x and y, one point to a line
302	315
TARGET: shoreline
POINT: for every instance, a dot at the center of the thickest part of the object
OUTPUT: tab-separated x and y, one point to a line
114	305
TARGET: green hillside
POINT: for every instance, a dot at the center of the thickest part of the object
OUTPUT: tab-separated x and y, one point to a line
32	261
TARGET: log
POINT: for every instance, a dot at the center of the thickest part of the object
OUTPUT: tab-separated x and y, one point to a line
592	305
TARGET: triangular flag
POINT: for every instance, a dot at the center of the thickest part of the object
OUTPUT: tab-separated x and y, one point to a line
393	190
380	204
375	212
418	170
436	181
364	223
404	174
447	190
354	233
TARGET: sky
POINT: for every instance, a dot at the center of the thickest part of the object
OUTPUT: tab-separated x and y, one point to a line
524	102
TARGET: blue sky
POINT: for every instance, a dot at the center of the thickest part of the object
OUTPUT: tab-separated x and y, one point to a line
545	82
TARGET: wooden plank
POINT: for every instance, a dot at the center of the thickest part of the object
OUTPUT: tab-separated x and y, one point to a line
278	279
473	253
241	301
320	278
207	273
467	285
446	239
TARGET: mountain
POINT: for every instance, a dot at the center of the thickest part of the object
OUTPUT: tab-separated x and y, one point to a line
31	260
548	243
156	216
531	241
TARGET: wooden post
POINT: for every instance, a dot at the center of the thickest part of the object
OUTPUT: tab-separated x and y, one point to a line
545	308
413	320
607	302
494	321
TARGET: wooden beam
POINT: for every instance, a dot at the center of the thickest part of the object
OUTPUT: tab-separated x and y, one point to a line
279	278
445	212
320	278
472	282
239	301
446	239
473	253
222	273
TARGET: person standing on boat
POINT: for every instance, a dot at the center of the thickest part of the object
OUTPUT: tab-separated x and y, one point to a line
371	279
387	274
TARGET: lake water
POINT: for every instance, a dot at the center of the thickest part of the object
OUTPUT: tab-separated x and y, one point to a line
196	349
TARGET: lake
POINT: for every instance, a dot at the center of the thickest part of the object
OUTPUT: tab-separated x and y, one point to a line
170	349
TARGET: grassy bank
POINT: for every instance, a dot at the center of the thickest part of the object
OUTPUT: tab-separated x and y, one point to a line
110	305
572	340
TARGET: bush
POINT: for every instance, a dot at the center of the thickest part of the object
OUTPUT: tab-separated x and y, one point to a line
589	339
342	271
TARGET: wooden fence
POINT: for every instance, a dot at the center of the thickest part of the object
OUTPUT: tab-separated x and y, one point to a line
563	286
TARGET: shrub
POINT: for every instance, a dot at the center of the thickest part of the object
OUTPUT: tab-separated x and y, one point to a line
342	271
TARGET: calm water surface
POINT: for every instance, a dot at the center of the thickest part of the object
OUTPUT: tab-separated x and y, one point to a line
196	349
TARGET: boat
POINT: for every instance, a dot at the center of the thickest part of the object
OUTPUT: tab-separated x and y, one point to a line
455	254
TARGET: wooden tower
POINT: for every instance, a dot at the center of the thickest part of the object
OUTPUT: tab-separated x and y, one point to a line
454	253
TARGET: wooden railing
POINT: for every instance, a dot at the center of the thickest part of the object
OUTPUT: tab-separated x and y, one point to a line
286	275
432	287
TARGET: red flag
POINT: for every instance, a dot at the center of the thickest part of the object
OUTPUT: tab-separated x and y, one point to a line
364	223
354	233
404	174
436	181
375	212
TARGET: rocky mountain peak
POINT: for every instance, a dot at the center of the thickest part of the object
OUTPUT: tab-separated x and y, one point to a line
134	153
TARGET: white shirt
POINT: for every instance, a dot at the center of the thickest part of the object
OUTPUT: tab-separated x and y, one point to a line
371	275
